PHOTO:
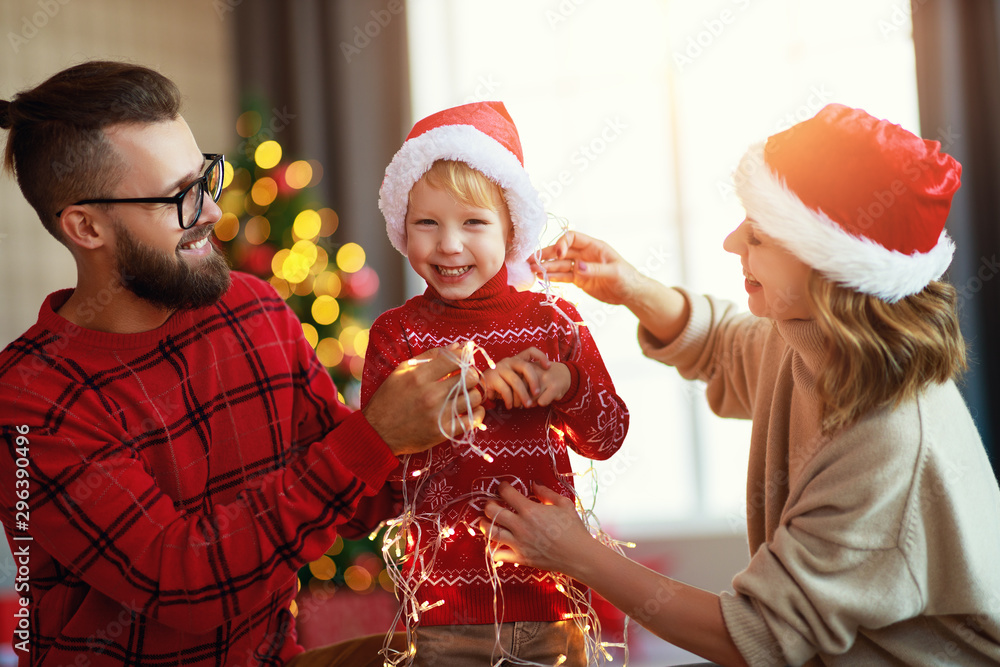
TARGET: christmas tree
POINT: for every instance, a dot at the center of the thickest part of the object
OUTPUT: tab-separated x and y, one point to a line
274	226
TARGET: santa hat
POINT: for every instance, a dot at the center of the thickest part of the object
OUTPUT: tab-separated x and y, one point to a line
483	136
859	199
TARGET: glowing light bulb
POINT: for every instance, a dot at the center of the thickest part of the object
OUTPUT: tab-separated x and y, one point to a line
350	258
426	605
268	154
477	450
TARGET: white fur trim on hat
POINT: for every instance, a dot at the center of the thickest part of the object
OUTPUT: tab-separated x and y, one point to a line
810	235
467	144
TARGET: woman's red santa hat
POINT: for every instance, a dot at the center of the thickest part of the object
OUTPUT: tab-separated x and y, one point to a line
859	199
483	136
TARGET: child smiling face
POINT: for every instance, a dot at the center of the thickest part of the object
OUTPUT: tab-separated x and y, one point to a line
456	247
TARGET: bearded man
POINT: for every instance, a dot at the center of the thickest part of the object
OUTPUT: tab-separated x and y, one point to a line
171	450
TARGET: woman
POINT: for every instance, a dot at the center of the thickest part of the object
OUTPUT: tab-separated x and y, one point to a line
872	511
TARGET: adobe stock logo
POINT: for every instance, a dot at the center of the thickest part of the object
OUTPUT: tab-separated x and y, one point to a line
882	200
989	267
370	30
900	20
586	154
30	25
562	12
712	29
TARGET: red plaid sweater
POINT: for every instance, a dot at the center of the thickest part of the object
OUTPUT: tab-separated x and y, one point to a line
176	480
591	416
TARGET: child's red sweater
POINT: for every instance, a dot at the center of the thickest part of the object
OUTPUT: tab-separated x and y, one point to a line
591	416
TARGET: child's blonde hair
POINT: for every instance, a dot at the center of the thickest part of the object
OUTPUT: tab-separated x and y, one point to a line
880	354
467	185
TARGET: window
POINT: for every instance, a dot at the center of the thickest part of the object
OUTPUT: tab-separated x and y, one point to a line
632	117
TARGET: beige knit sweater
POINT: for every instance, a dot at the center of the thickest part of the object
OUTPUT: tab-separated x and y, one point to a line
879	546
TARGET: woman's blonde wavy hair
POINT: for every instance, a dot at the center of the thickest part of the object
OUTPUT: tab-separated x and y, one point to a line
880	354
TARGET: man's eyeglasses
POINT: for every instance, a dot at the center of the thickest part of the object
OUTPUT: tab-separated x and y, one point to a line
189	200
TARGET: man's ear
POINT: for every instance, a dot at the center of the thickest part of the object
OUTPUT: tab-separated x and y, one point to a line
82	229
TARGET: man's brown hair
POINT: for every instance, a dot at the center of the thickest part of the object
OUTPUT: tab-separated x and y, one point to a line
56	145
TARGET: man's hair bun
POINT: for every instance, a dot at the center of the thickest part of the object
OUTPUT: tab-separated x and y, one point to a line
5	120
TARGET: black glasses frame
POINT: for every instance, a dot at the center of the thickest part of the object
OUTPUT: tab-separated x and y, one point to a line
178	199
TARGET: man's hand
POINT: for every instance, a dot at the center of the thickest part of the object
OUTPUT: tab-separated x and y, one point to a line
404	411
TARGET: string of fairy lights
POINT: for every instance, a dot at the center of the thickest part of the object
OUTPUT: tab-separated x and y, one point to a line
272	226
412	541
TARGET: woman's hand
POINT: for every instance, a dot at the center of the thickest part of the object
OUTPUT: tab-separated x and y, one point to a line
548	535
526	380
591	265
598	270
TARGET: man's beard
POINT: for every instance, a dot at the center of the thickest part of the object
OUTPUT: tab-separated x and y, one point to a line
167	280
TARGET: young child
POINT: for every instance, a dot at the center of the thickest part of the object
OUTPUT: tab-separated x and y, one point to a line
872	510
459	205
